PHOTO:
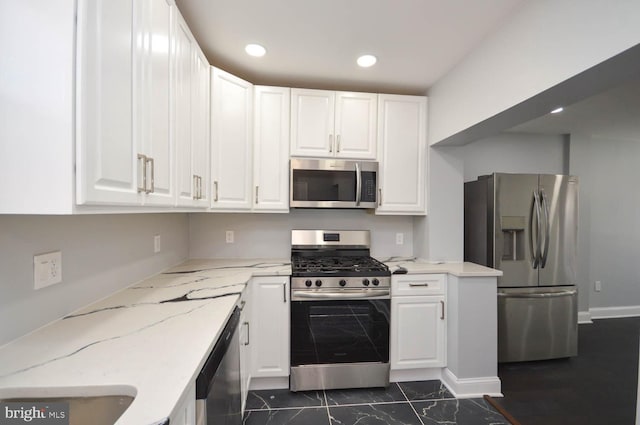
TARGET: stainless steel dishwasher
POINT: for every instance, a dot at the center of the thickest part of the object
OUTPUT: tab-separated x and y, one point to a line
218	398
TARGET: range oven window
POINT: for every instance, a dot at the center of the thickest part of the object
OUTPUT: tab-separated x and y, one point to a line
345	331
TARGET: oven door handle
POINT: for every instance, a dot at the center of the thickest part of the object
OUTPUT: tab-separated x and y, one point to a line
316	295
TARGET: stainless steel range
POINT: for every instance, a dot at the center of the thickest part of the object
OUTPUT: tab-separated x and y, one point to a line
340	310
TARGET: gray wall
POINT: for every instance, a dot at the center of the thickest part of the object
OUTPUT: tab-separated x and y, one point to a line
269	235
516	153
100	254
609	218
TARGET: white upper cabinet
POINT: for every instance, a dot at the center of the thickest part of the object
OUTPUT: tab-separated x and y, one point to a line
231	136
271	149
402	145
355	125
151	98
190	116
124	149
107	164
200	128
333	124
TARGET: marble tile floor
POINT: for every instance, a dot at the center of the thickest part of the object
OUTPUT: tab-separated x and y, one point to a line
405	403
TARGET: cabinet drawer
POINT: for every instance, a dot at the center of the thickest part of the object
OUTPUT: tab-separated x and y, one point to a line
417	284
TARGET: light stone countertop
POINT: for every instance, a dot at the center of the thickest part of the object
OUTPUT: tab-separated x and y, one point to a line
149	340
460	269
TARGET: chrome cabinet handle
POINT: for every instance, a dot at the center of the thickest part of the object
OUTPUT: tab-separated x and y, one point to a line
358	184
152	189
143	188
195	187
338	143
442	304
215	185
242	304
248	328
330	143
199	187
418	284
284	292
379	196
257	189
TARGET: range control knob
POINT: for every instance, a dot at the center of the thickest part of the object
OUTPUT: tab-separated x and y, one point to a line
343	282
318	282
308	282
365	282
375	282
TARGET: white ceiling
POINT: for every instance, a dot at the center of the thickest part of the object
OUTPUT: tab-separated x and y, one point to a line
315	44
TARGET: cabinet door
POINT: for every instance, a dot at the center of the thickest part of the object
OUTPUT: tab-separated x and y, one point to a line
356	130
417	332
106	150
151	98
271	149
200	128
270	326
402	149
312	123
181	78
231	101
245	347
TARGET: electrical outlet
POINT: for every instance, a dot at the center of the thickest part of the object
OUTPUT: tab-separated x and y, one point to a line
598	286
229	236
47	269
399	238
156	244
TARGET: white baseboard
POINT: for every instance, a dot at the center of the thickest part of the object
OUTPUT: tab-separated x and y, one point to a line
472	387
613	312
277	383
405	375
584	317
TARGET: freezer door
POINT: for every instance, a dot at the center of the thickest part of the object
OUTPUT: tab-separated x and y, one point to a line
515	229
537	323
559	201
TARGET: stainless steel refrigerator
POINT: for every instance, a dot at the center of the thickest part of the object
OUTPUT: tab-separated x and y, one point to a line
526	225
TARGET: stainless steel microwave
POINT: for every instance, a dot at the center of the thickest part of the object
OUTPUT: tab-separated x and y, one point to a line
332	183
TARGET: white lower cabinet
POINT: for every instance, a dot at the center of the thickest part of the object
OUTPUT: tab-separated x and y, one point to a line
269	327
185	412
418	322
245	349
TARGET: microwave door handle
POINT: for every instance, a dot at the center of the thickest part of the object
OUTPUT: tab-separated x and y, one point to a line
358	184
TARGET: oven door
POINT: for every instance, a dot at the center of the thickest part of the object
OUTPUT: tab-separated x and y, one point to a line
332	331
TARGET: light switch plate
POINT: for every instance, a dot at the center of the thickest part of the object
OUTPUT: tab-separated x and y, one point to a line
156	244
229	236
47	269
399	238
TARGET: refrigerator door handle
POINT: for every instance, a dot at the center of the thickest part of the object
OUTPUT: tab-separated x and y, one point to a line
535	246
547	230
538	295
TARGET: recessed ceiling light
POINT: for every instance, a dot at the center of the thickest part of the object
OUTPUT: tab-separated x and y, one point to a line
557	110
366	61
255	50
